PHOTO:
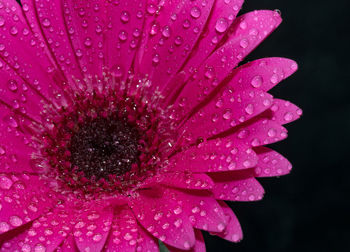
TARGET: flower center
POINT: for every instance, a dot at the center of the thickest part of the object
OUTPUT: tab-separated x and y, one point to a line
104	146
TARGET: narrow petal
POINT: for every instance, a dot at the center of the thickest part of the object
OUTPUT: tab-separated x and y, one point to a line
23	199
19	96
92	227
199	245
260	131
225	112
49	231
68	245
22	51
46	17
159	212
232	187
233	231
284	112
124	30
16	146
248	32
124	231
271	163
187	180
215	156
83	19
146	242
203	211
223	14
170	39
262	74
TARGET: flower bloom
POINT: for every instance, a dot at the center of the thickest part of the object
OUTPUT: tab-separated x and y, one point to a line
127	122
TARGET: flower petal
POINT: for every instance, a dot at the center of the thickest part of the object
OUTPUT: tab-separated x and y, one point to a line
260	131
124	30
170	39
284	112
159	212
186	180
18	95
225	112
146	242
92	227
48	231
233	187
271	163
223	14
199	245
203	210
68	245
215	156
249	31
23	52
23	199
124	231
233	231
46	17
16	146
83	19
262	74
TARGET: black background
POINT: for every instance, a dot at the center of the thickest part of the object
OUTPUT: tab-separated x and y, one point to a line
309	209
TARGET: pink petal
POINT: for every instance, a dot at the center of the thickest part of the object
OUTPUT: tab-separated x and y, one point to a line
16	147
222	15
17	94
249	31
262	74
271	163
199	245
225	112
160	213
124	231
187	180
215	156
23	199
260	131
234	187
48	231
46	17
203	210
146	242
170	39
284	112
68	245
124	31
83	19
21	50
233	231
92	227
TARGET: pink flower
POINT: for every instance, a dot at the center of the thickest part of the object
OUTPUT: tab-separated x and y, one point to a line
128	122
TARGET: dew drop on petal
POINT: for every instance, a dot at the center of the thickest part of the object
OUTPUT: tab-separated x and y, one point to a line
195	12
221	25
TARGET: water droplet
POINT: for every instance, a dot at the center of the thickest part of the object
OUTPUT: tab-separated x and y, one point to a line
16	221
12	85
46	22
287	117
166	32
195	12
125	17
5	182
257	81
4	227
221	25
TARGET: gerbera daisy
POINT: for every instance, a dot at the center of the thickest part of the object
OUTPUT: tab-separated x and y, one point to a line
125	123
